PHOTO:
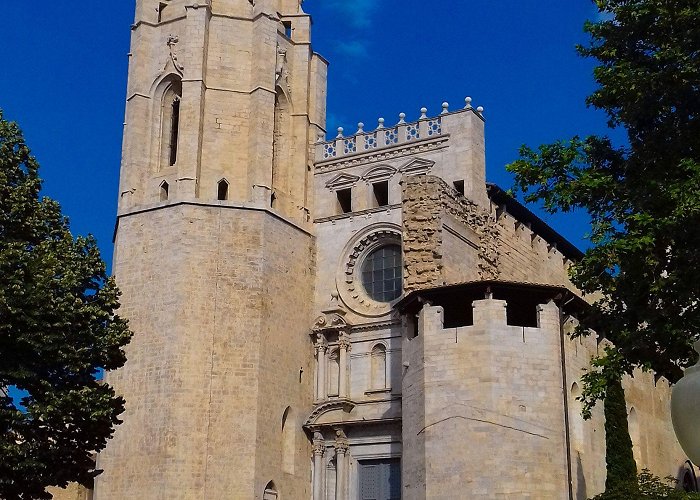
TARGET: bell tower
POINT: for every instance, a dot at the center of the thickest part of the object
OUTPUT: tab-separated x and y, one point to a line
214	253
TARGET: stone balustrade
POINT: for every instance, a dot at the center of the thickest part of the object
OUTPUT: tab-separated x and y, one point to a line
384	137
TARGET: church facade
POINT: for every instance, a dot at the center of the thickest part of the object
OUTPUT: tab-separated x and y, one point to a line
355	318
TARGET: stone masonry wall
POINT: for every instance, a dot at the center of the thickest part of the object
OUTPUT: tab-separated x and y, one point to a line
71	492
490	417
197	283
526	256
433	213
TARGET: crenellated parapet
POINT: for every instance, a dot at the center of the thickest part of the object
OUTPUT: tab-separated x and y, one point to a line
491	383
401	134
448	239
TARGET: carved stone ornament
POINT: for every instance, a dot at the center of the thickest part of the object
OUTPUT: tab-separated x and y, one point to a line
341	447
319	445
281	71
342	406
177	65
327	322
321	342
344	342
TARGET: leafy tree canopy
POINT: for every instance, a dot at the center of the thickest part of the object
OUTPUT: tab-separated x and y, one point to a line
643	197
647	487
57	328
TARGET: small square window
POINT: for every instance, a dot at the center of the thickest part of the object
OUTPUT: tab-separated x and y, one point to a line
459	186
381	193
344	200
287	29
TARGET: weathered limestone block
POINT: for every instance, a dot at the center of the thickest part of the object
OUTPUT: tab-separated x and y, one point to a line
439	223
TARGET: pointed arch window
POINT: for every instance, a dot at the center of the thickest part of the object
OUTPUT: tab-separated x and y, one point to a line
164	191
222	190
378	367
270	492
170	122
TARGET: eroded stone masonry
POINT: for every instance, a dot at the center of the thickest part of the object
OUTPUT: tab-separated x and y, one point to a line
356	318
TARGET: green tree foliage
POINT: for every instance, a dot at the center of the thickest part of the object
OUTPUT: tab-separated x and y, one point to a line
619	458
647	487
643	197
57	328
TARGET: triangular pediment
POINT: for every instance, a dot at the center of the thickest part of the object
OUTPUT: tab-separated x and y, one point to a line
418	166
380	173
342	181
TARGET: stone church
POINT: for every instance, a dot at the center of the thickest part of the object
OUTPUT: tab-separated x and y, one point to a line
357	318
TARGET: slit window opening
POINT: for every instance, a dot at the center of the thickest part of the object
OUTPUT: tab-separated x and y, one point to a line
459	186
161	8
174	129
344	200
381	193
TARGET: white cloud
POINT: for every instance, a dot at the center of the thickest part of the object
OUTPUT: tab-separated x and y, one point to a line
358	13
353	48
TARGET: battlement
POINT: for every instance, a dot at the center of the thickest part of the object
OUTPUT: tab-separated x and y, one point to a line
397	135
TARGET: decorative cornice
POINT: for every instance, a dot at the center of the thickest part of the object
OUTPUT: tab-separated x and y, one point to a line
375	326
382	155
340	404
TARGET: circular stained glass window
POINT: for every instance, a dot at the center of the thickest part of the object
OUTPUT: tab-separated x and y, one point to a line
382	273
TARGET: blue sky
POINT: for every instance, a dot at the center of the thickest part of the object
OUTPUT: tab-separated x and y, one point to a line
65	65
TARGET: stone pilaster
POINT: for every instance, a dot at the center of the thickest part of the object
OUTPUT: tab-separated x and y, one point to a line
319	449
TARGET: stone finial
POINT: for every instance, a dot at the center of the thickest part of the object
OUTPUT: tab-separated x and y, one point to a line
468	100
360	128
402	117
480	109
380	123
340	133
423	113
445	108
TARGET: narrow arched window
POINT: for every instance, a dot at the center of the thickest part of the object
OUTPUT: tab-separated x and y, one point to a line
170	122
174	129
378	362
288	441
222	190
270	492
164	191
334	373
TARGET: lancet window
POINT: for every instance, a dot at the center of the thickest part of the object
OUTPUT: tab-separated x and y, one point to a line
170	122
